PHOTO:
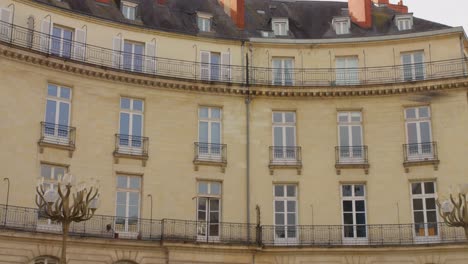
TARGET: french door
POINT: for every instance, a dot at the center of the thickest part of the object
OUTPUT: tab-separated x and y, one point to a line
208	216
57	116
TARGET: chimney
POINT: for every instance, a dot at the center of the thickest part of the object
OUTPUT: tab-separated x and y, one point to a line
381	2
400	7
236	10
360	12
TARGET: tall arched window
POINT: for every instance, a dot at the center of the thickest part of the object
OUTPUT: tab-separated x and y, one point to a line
46	260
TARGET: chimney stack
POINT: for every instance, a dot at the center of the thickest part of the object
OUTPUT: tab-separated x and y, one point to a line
236	10
360	12
381	2
400	7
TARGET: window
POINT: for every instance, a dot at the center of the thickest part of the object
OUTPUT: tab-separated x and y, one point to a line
61	44
354	211
129	10
46	260
350	140
215	66
418	133
341	25
284	136
413	66
133	53
208	210
404	22
285	213
204	22
280	26
51	175
131	126
347	72
283	71
57	114
209	133
423	196
127	203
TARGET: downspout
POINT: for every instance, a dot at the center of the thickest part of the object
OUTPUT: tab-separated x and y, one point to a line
242	59
247	154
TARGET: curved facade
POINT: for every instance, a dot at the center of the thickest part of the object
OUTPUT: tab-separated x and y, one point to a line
247	143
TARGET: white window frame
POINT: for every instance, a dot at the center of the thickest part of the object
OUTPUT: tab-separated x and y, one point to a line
62	41
341	25
283	71
285	154
421	153
414	68
133	55
286	228
130	149
423	196
353	198
204	22
203	226
404	22
347	75
280	26
213	152
57	138
352	150
127	7
127	190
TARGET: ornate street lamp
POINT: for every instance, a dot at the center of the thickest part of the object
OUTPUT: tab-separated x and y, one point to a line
57	205
454	211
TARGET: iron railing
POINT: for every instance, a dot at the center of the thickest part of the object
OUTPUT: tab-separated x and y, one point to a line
164	67
57	134
351	155
172	230
131	145
210	152
416	152
285	155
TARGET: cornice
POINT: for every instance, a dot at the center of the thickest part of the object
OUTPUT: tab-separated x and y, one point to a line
187	85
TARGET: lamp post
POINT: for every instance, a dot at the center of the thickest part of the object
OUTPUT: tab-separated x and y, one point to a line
57	205
454	211
7	198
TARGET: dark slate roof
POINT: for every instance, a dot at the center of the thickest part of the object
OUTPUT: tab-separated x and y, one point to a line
307	19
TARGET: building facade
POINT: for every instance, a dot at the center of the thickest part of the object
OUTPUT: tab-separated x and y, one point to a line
236	131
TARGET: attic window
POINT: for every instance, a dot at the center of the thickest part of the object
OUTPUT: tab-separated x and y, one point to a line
341	25
404	22
129	10
204	22
280	26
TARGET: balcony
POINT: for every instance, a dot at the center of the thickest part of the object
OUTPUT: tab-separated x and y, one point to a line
351	157
171	68
57	136
21	219
285	157
210	154
131	147
420	154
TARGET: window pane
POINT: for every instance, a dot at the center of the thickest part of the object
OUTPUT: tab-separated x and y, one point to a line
347	206
121	198
203	112
412	133
343	117
203	132
410	113
347	190
65	92
203	188
431	217
358	190
120	210
355	117
138	105
291	190
215	113
418	217
277	117
133	211
214	205
215	132
279	219
46	171
423	112
290	117
344	136
360	218
417	204
64	113
291	206
51	107
348	219
428	187
360	206
278	137
52	90
416	188
430	204
135	182
279	190
215	188
425	132
121	182
291	219
137	125
290	136
356	136
134	198
124	103
124	123
279	206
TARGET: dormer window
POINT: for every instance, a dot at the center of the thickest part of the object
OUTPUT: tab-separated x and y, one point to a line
129	10
341	25
404	22
280	26
204	22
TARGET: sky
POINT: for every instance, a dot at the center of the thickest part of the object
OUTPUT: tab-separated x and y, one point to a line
449	12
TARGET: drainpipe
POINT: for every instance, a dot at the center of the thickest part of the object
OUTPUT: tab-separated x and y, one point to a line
247	154
242	59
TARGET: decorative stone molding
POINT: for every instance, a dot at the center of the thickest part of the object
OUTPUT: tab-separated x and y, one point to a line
197	163
434	162
364	166
297	166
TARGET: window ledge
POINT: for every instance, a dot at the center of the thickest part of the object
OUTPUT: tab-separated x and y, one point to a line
210	162
350	165
142	157
285	165
47	144
412	163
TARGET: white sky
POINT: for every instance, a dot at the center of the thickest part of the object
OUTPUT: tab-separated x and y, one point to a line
448	12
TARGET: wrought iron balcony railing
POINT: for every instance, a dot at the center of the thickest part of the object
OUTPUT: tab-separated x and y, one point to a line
56	135
210	152
131	145
285	155
351	155
172	230
164	67
416	152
